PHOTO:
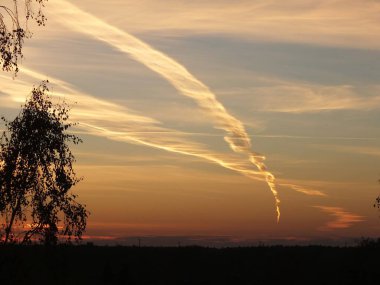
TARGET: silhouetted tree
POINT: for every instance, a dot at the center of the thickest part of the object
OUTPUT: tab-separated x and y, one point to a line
36	174
14	20
377	202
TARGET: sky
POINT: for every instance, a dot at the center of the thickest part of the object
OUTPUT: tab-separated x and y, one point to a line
216	122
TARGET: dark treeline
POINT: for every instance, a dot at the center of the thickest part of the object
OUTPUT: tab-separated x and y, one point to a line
189	265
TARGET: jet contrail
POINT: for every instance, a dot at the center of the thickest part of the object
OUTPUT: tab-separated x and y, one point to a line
96	116
236	135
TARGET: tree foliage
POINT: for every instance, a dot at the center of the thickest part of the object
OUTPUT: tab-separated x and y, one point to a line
377	200
36	174
14	20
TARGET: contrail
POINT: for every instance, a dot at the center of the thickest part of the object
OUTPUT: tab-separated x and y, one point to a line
236	135
342	218
96	116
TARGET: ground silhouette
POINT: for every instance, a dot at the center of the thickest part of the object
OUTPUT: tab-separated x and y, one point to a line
189	265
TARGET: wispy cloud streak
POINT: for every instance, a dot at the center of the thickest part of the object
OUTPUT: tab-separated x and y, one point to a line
176	74
304	190
303	97
102	118
342	218
363	150
347	23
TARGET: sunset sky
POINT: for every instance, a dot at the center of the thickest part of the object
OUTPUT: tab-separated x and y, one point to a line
178	101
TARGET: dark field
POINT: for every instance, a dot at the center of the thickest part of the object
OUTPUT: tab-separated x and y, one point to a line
189	265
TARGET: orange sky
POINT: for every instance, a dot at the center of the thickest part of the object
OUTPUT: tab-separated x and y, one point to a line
172	104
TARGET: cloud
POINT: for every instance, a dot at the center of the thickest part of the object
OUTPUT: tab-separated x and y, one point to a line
103	118
285	96
347	23
315	137
176	74
304	190
342	218
107	119
364	150
309	99
97	238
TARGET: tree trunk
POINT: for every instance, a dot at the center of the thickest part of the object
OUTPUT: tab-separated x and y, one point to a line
10	225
